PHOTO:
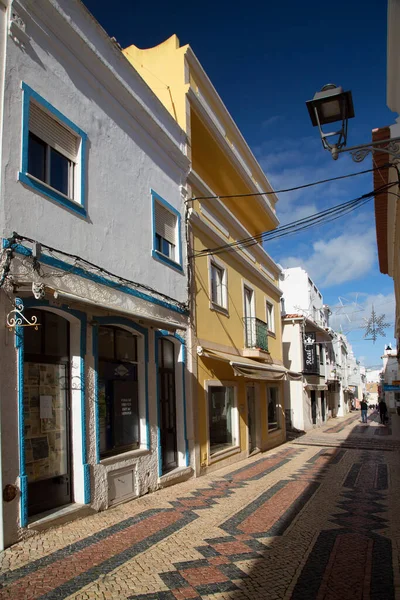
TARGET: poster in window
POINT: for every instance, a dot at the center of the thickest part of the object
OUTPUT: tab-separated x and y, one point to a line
45	420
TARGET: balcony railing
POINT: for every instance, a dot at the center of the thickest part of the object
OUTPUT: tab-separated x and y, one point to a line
256	333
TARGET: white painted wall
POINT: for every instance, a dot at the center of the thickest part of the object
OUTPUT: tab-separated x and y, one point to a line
301	295
294	285
134	145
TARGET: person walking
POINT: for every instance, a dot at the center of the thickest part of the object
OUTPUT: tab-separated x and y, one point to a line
383	411
364	411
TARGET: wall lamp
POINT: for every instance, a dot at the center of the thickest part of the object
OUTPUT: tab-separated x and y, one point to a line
333	105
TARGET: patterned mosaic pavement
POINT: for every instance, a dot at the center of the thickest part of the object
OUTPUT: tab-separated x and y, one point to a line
302	522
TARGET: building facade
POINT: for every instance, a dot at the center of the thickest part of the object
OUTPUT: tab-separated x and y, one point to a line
94	396
387	214
236	349
389	379
307	350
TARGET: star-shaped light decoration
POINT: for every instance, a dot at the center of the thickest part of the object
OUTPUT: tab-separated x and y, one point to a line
375	326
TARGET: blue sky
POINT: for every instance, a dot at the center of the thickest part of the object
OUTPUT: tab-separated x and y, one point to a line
266	59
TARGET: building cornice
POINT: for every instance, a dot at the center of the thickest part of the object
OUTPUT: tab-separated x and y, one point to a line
114	72
201	77
226	214
211	232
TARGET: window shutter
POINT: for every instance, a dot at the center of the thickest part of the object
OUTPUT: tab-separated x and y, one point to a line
165	223
48	129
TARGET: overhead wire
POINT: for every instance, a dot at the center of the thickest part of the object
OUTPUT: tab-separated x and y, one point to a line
78	260
292	189
324	216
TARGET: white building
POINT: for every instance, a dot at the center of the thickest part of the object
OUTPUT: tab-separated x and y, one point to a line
389	379
94	403
307	352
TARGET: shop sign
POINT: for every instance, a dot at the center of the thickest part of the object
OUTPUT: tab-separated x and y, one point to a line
310	353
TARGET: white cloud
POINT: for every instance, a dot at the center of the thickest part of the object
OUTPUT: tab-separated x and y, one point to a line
343	258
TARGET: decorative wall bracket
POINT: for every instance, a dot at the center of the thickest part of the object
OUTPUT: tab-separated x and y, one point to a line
16	318
358	153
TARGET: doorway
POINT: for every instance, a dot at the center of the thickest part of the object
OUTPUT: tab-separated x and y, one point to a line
47	412
313	407
252	418
167	400
323	407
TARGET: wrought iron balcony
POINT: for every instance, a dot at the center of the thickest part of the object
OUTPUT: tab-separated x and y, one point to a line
256	333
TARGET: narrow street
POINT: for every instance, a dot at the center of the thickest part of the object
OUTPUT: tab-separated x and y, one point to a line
315	519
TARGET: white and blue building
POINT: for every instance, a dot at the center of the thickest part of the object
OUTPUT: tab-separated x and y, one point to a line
94	401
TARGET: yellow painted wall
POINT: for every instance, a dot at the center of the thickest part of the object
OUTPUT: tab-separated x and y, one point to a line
214	167
228	330
163	69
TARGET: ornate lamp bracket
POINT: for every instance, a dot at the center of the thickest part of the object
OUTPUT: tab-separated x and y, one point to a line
358	153
16	318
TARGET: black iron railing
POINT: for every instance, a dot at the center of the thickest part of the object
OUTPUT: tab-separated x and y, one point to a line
256	333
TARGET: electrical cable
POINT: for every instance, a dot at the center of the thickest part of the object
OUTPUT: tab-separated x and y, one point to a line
324	216
122	281
293	189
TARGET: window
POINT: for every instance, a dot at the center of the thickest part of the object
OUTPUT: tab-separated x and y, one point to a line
53	153
249	319
270	317
321	354
218	285
222	418
273	408
166	227
118	391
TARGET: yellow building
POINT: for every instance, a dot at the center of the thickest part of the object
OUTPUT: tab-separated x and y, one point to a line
235	353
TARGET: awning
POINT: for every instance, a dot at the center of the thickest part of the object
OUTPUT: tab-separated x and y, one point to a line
292	375
317	387
246	367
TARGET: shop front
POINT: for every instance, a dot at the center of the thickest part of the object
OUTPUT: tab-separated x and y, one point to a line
240	407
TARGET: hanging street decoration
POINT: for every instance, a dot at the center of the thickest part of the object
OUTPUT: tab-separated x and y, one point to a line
374	326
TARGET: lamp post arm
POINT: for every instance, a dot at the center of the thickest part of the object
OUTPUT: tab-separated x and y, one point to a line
358	153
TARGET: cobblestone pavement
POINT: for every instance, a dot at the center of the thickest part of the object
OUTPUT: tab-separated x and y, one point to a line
309	520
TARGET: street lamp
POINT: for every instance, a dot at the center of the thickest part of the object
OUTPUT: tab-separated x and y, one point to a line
333	105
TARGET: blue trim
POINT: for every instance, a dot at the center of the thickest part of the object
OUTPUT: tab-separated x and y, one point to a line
158	335
59	264
19	344
155	253
30	302
51	193
167	261
77	207
159	449
118	321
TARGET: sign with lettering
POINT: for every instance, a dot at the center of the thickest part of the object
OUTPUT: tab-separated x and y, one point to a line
391	388
310	353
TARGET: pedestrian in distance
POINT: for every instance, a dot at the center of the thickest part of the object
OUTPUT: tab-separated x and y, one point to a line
383	411
364	411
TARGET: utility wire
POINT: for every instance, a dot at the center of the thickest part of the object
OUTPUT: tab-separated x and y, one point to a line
79	260
324	216
293	189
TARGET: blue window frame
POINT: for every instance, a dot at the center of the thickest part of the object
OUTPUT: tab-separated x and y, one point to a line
167	247
53	153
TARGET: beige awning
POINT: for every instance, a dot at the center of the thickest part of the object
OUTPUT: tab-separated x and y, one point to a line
292	375
317	387
246	367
